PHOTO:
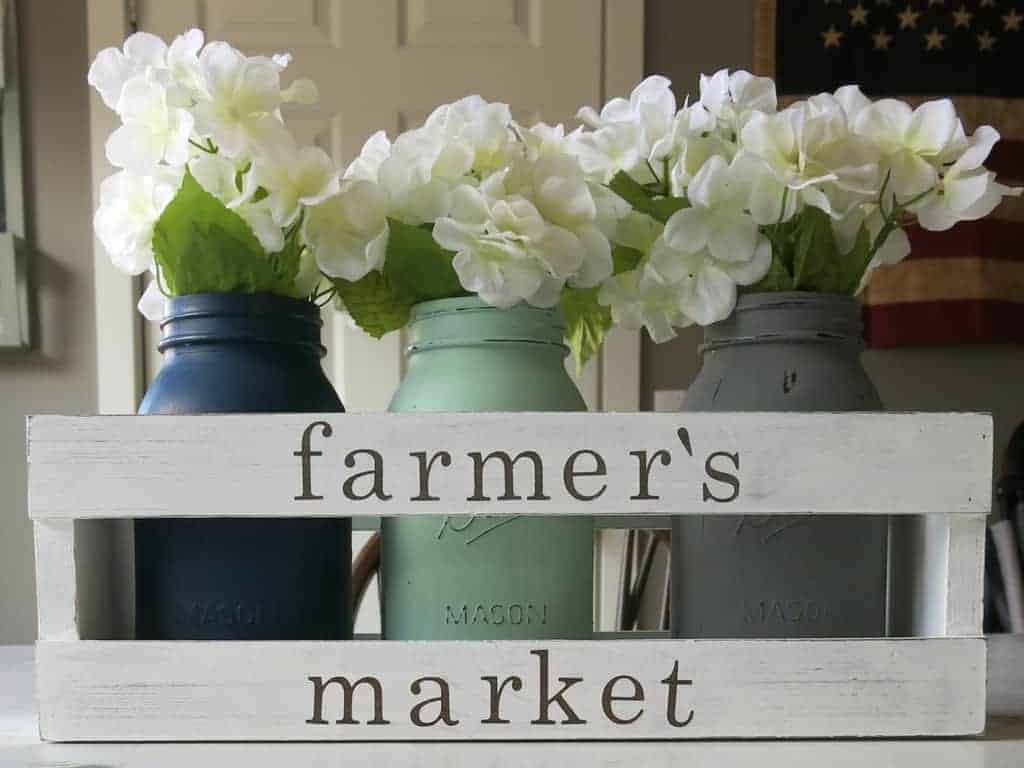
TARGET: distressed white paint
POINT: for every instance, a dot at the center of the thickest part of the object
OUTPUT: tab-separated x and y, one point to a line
130	691
20	744
234	465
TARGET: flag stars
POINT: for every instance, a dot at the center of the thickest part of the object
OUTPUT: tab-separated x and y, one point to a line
881	39
1012	20
962	18
986	41
832	37
859	15
908	18
934	40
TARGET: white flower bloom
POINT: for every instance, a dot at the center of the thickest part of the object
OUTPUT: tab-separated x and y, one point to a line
504	250
153	131
651	107
541	139
912	142
691	141
809	150
373	154
641	298
112	68
153	304
348	232
732	98
217	175
555	184
242	92
293	177
183	67
707	250
261	221
129	208
407	175
475	136
853	101
966	191
623	135
717	219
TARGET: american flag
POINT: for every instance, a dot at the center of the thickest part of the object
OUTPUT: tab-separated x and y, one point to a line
965	285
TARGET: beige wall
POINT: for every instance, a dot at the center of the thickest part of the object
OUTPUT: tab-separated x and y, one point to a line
684	39
59	374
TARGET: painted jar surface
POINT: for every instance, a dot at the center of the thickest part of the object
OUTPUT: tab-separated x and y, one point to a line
781	576
230	578
487	577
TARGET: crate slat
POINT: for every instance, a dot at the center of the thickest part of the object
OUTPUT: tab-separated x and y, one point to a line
185	466
96	691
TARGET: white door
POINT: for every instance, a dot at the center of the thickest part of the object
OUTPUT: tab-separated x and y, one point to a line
386	64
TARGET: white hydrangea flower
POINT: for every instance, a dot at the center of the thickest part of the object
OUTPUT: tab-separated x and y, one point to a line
731	98
608	150
153	304
348	231
294	178
366	166
912	141
717	218
554	182
114	67
966	191
810	151
641	298
623	135
688	145
242	92
153	131
541	139
475	135
129	208
504	250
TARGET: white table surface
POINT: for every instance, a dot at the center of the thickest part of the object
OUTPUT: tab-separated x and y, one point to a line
1001	747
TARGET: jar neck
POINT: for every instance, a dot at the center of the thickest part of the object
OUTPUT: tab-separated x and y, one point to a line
242	318
791	317
469	322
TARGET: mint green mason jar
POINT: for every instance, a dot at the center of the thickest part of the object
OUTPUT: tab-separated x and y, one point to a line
486	577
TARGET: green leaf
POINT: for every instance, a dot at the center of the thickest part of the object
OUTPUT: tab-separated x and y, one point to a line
634	193
853	264
202	246
586	323
287	262
777	279
625	259
373	304
816	261
417	268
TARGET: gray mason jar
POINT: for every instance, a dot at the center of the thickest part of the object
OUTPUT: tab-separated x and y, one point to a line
781	576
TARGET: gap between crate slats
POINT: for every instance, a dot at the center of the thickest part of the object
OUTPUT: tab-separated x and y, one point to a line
95	691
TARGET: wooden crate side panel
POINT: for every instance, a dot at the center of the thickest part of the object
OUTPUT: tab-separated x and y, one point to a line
246	465
56	579
95	691
965	575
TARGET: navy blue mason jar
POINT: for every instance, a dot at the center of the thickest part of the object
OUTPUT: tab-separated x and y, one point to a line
242	578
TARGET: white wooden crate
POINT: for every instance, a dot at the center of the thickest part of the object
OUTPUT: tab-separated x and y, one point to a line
931	472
